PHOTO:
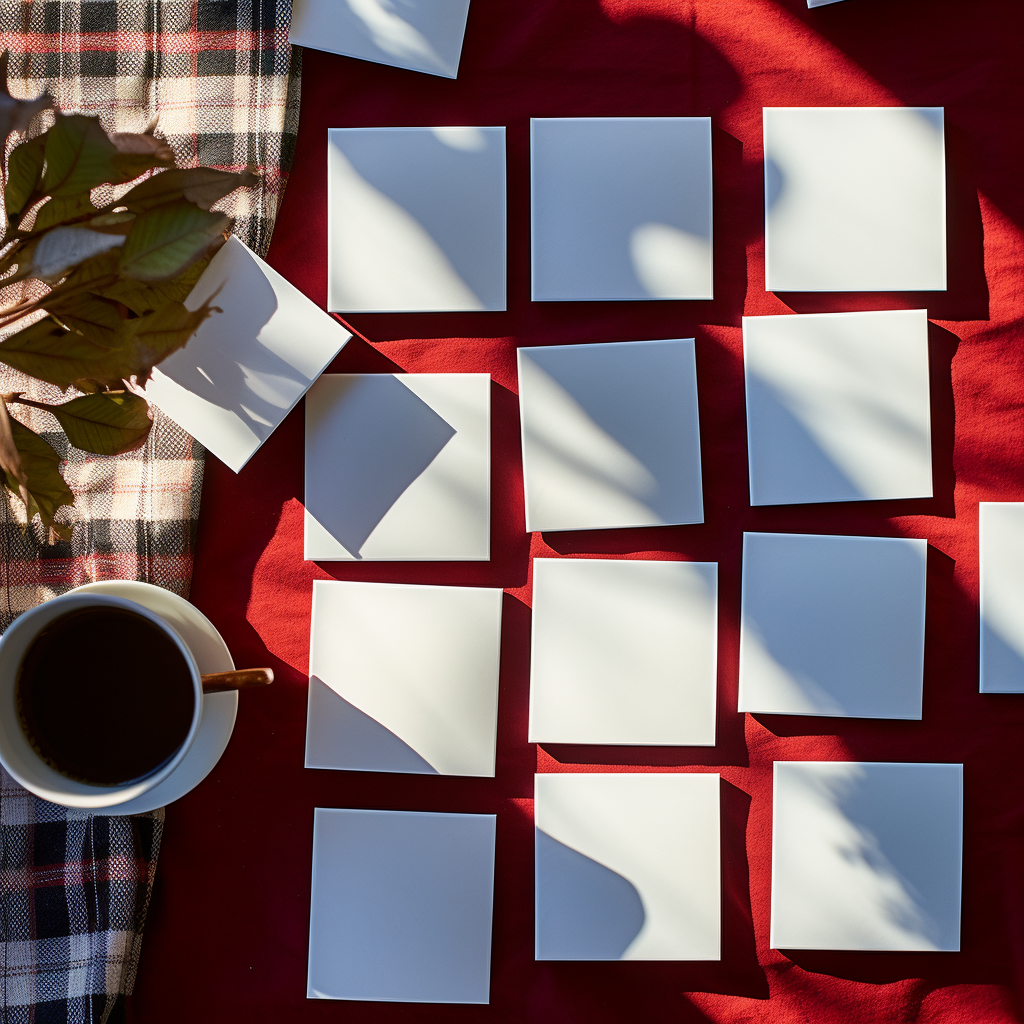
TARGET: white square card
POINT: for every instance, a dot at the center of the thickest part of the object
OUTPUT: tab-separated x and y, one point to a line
403	678
610	435
621	208
867	856
1001	536
855	199
832	625
401	906
628	866
623	652
419	35
415	219
838	406
247	366
398	467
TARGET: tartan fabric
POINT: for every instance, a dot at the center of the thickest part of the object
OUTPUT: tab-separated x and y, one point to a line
222	81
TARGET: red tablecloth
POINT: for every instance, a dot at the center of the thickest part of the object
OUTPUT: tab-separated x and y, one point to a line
226	940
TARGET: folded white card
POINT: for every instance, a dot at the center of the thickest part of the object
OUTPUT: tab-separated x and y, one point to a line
621	207
398	467
1001	536
403	678
418	35
401	906
838	406
623	652
855	199
247	366
628	867
832	625
610	435
866	856
415	219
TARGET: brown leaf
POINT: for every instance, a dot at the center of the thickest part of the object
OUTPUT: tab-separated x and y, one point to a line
47	491
10	459
200	185
105	424
143	145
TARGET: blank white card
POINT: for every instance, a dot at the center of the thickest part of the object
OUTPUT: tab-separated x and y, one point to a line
628	866
832	625
855	199
247	366
398	467
623	652
838	406
621	208
401	906
403	678
867	856
418	35
611	436
415	219
1001	535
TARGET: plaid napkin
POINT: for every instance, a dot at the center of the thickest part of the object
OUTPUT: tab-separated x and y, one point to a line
223	82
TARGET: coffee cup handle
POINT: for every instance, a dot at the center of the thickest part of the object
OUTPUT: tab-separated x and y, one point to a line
243	678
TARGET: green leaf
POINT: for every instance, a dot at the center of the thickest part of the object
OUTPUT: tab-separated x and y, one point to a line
98	319
168	239
144	297
79	156
56	211
200	185
39	483
24	167
66	358
105	424
49	352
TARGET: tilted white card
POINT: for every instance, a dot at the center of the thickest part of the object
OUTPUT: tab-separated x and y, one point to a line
628	866
838	406
401	906
398	467
610	435
832	625
418	35
247	366
855	199
820	3
623	652
867	856
621	208
1001	536
415	219
403	678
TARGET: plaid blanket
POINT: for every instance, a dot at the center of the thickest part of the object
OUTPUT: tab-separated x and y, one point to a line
222	81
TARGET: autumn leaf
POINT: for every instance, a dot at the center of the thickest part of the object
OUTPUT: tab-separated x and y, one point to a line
105	424
168	239
35	478
146	296
24	168
200	185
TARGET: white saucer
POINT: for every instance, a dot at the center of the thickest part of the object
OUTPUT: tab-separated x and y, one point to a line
219	709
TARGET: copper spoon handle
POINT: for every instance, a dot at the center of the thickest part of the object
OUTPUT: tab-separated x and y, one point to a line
218	682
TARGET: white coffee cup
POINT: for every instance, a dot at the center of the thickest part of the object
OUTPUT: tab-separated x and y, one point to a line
18	755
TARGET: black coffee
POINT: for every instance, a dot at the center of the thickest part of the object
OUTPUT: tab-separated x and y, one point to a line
105	696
